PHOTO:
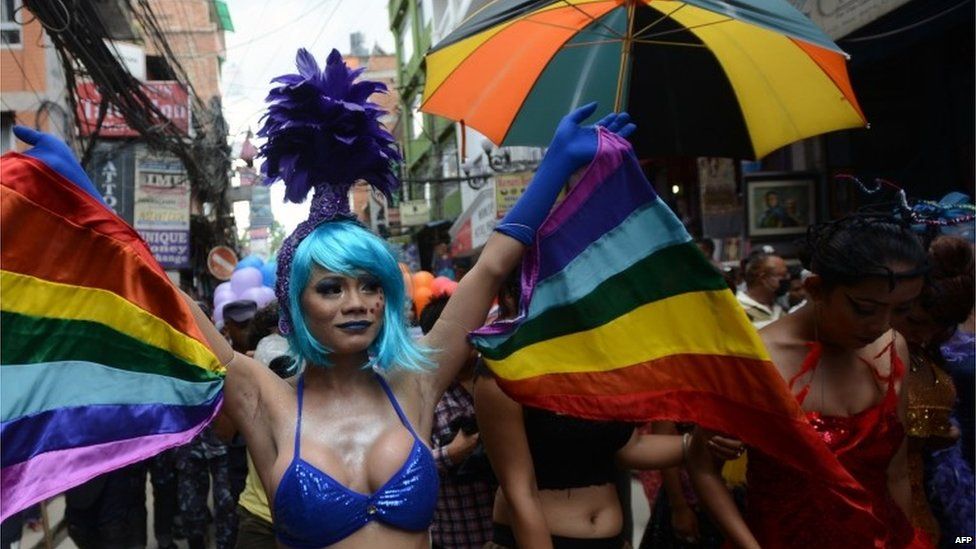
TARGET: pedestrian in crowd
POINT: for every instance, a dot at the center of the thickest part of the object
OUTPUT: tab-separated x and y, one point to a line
766	278
558	474
467	488
707	247
442	264
797	296
207	461
845	365
352	430
165	494
678	519
109	511
237	323
934	454
202	464
11	530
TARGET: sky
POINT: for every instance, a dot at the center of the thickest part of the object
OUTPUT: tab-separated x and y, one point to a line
267	34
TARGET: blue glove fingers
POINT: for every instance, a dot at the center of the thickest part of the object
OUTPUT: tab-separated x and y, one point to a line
27	135
572	147
621	120
627	130
56	154
607	120
580	114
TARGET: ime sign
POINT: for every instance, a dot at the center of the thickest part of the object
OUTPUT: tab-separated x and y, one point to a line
169	97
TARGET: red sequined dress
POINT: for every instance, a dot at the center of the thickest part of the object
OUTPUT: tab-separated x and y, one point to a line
787	509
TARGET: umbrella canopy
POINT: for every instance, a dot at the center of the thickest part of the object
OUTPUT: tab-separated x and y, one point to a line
739	78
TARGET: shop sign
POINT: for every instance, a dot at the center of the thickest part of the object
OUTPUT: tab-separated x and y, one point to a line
112	171
132	57
221	262
471	230
838	18
508	188
171	98
414	212
261	214
162	207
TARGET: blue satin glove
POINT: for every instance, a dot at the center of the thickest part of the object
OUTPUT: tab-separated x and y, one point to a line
56	154
572	147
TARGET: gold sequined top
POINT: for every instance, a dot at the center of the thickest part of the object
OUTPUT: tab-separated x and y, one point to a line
931	396
930	399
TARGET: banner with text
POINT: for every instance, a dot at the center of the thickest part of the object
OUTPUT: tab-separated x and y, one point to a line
171	98
112	170
162	207
508	188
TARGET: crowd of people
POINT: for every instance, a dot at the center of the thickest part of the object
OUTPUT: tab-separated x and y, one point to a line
360	435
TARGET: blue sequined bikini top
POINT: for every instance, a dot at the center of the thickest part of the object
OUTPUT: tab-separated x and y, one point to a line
312	509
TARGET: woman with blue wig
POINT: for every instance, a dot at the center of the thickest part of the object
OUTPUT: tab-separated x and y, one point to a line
342	451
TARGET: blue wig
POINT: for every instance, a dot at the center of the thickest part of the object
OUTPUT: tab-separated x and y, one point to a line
346	248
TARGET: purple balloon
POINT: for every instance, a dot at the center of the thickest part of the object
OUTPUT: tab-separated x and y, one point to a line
223	289
262	295
223	299
218	313
268	296
243	279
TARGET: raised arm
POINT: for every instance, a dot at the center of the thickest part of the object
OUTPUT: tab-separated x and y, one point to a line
651	451
572	147
242	386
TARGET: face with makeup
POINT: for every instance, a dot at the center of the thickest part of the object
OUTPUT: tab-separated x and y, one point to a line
853	316
343	313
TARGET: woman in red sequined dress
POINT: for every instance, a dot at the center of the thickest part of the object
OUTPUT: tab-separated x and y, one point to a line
845	366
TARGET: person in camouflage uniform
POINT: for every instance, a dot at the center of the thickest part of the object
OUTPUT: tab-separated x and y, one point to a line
197	462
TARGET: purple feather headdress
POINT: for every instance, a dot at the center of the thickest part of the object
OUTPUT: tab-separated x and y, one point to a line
323	134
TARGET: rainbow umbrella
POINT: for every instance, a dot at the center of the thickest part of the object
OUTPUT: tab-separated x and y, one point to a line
701	77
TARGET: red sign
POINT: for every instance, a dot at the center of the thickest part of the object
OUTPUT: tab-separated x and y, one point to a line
461	243
221	262
170	98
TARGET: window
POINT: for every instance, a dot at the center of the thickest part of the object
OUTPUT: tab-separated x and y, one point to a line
406	40
416	119
6	131
10	30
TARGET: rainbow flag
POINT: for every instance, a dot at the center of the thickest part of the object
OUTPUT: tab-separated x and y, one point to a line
101	363
622	317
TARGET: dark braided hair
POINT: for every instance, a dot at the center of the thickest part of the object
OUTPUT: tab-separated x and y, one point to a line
860	246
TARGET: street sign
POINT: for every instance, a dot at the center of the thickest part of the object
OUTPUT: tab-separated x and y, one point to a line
221	262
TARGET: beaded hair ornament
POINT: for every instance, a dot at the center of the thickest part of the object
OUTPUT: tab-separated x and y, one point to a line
953	214
323	135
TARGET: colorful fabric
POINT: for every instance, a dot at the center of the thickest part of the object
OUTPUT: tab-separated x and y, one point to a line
102	363
623	318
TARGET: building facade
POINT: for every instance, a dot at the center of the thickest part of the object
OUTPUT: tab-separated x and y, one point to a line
32	87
